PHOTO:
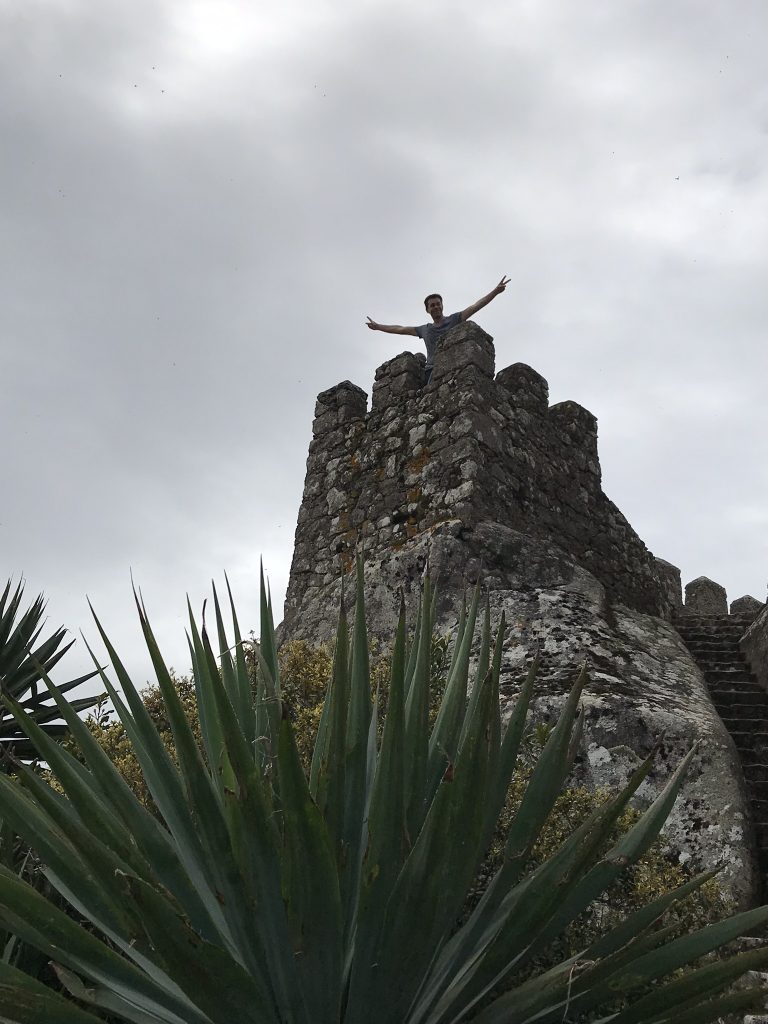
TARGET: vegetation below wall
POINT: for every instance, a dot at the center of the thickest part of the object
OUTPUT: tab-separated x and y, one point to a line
424	867
305	672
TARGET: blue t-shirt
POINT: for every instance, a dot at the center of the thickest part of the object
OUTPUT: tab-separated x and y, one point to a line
430	334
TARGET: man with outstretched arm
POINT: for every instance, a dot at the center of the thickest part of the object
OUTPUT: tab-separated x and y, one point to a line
432	333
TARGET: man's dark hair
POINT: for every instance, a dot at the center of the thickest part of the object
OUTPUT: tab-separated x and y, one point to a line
434	295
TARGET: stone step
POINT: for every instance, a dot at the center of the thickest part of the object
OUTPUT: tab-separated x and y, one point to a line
710	625
755	772
730	641
710	665
759	809
716	654
735	675
717	651
732	712
743	693
709	633
757	791
751	754
751	741
713	643
753	726
718	621
748	732
739	673
761	834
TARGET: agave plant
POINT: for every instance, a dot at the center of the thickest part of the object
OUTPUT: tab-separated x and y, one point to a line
22	667
260	895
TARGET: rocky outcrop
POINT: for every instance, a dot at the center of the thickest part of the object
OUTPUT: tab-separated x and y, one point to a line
644	685
754	644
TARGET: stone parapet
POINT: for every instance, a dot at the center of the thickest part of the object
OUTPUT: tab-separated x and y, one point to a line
746	607
467	448
669	576
525	388
465	348
397	379
705	597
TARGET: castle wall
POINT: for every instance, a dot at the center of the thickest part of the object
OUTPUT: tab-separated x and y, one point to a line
754	644
480	476
468	449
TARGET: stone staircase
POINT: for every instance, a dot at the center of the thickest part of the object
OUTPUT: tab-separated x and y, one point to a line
741	703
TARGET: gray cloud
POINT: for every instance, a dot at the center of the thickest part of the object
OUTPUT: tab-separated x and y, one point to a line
201	202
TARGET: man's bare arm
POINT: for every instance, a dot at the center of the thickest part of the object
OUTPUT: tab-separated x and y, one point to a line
471	310
390	328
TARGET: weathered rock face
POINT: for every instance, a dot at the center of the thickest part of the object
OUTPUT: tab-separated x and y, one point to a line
476	477
643	686
705	597
754	643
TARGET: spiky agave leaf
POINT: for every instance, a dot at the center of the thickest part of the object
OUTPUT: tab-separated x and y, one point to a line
268	898
24	658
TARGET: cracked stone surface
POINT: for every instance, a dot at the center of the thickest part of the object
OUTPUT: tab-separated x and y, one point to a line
644	686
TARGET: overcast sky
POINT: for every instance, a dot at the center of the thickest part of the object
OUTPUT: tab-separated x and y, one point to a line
201	201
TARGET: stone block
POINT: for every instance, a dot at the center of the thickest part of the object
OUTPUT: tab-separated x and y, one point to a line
324	422
746	607
705	597
409	363
526	388
464	346
576	426
671	585
398	377
347	396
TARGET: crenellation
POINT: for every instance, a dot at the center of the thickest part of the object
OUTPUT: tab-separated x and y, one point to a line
705	597
465	351
525	388
467	447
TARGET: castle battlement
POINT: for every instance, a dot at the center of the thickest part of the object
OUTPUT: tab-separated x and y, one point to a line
471	448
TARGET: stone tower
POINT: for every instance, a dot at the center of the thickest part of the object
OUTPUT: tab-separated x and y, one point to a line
476	476
471	458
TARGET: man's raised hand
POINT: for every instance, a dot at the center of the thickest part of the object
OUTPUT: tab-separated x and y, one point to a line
501	285
372	324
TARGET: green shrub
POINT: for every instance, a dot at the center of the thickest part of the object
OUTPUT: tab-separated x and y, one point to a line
111	735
